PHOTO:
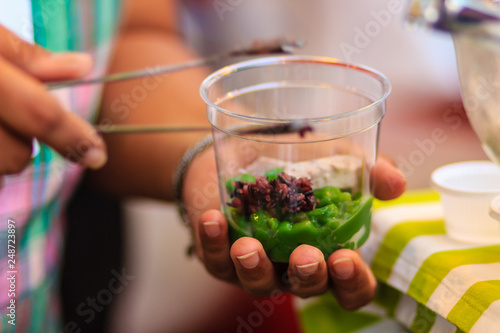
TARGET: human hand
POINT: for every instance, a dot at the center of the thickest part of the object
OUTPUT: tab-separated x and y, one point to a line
28	111
307	274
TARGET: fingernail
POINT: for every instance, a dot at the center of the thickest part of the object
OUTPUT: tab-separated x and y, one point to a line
94	158
250	260
212	229
343	267
307	270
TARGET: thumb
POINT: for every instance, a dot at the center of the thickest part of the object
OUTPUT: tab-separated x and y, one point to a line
386	180
39	62
353	282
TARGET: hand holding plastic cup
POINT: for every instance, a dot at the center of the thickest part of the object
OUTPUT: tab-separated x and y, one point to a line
301	186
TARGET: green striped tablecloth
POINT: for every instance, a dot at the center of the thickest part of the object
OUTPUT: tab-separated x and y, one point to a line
428	282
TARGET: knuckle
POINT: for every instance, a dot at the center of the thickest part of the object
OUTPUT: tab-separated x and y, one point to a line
353	305
302	295
259	288
310	292
312	287
351	288
213	246
314	281
355	301
305	295
16	162
258	291
221	271
368	297
258	276
350	305
306	284
354	285
11	169
45	116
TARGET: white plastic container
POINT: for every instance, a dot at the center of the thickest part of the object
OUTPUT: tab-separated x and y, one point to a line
495	208
466	190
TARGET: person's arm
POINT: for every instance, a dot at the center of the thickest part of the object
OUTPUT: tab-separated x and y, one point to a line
143	164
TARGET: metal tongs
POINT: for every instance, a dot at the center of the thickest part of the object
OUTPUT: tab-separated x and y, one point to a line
276	46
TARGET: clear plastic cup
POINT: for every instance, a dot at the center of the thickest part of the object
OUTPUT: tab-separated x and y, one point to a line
295	138
466	190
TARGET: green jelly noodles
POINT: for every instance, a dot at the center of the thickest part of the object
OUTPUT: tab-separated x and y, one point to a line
340	220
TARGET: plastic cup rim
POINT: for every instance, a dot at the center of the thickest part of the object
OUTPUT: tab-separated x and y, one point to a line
275	60
440	186
495	208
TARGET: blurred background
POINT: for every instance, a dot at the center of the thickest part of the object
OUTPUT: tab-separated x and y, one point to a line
172	293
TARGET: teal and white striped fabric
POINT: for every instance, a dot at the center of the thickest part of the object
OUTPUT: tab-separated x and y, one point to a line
429	282
35	198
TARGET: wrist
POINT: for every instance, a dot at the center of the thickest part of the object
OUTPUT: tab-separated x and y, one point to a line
195	181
